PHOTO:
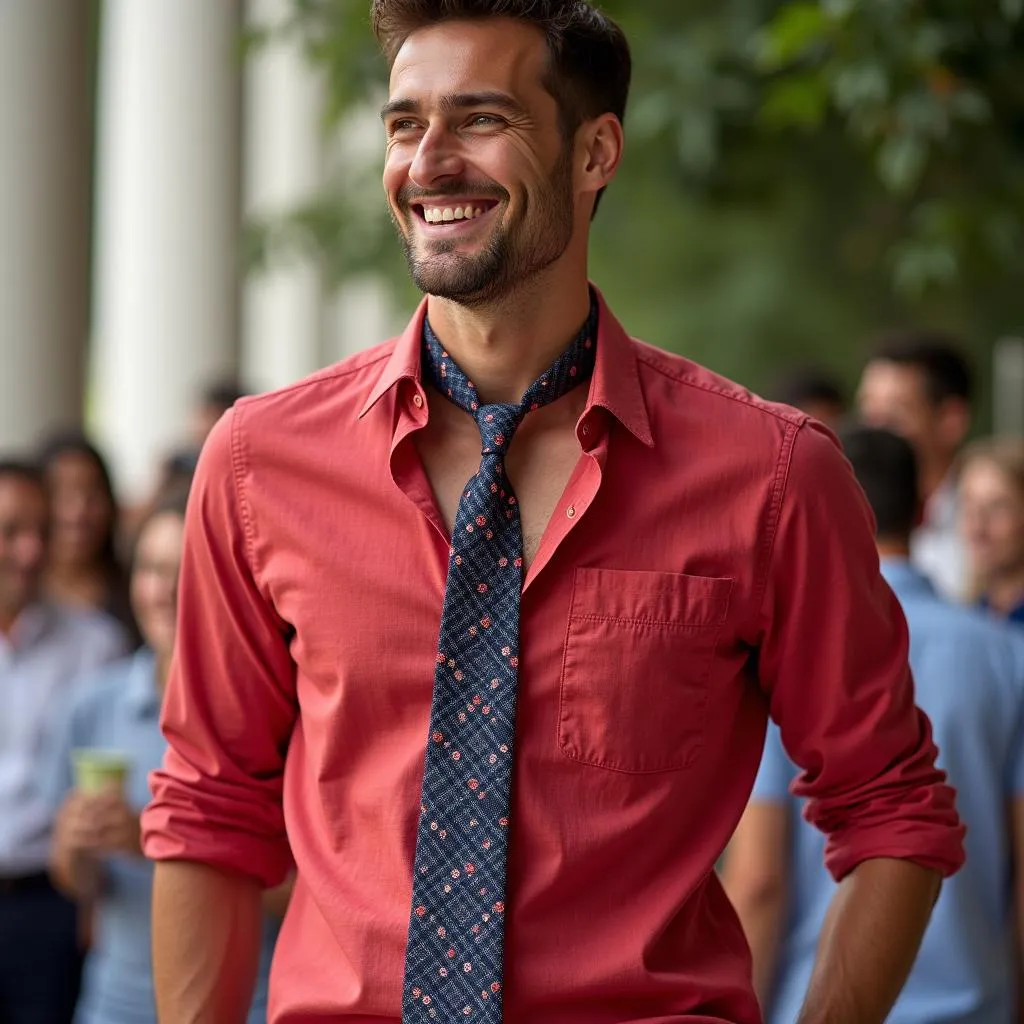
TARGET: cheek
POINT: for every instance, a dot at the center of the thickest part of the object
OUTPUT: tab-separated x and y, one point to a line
396	169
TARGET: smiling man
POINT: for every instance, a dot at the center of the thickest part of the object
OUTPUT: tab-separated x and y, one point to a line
485	622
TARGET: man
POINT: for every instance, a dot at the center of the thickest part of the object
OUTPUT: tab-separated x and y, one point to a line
969	673
43	648
919	386
511	710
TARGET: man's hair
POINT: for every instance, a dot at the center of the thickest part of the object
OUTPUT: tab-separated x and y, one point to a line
803	384
886	469
24	470
223	393
936	355
590	64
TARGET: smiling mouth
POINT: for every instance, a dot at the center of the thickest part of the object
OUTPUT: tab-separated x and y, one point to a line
437	213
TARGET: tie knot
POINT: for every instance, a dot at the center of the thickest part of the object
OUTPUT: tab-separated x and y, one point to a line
497	424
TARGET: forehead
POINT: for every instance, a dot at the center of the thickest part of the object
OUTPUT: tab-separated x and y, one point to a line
487	54
982	476
895	380
162	535
19	496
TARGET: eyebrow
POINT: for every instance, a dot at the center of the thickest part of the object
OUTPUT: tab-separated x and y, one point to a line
457	101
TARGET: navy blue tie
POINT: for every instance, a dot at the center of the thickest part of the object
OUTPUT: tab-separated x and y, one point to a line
453	961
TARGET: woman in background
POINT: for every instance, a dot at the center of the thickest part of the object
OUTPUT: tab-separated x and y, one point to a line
83	565
992	523
96	857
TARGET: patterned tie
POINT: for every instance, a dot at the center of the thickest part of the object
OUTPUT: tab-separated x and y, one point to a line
453	961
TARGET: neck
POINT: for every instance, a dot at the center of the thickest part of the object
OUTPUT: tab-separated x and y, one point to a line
8	617
74	571
1007	592
892	547
934	475
504	346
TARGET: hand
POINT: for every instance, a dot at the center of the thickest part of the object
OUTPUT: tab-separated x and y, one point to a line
116	824
97	824
75	832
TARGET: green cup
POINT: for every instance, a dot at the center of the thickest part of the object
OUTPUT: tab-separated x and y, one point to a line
99	770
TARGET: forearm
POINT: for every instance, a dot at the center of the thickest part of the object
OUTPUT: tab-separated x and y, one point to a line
762	925
206	942
871	936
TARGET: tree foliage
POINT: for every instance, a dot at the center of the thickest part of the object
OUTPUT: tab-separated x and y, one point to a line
797	174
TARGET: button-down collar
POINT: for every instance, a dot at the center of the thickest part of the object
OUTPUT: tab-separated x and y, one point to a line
615	385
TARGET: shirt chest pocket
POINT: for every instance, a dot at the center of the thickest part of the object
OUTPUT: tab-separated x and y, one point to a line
636	667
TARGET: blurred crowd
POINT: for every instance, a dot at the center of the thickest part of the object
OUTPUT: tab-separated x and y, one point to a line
88	600
87	624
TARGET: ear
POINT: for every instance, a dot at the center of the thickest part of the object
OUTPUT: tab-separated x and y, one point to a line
599	150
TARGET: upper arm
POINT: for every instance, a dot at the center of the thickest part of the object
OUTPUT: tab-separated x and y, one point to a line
230	704
833	662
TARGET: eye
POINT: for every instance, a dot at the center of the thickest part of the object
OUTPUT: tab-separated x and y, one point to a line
401	125
483	121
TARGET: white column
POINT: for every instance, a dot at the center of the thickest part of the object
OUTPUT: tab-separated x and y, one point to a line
45	125
282	312
167	281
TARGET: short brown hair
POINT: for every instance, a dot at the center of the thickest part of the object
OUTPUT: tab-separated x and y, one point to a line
590	61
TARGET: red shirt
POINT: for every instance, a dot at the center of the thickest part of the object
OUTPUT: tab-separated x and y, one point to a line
711	558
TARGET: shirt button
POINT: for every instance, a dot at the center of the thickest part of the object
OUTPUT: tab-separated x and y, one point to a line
417	400
571	511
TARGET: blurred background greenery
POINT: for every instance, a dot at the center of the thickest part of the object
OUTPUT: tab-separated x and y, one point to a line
798	175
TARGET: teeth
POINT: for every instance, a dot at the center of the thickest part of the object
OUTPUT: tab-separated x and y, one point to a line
436	215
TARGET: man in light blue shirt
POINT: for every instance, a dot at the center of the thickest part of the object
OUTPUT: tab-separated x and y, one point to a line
969	677
44	649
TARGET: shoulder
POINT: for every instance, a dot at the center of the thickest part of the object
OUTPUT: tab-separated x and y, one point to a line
299	419
990	641
337	390
687	400
666	375
744	434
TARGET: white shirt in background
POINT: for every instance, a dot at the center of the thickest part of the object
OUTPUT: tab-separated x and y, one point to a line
936	548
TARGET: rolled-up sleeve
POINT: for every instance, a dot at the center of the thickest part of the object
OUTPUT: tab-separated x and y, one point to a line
230	705
833	662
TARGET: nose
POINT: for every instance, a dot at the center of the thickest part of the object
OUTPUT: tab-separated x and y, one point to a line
437	157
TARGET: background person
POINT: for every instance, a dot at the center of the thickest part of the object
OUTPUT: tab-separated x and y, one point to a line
83	567
96	858
992	522
969	676
44	649
918	385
